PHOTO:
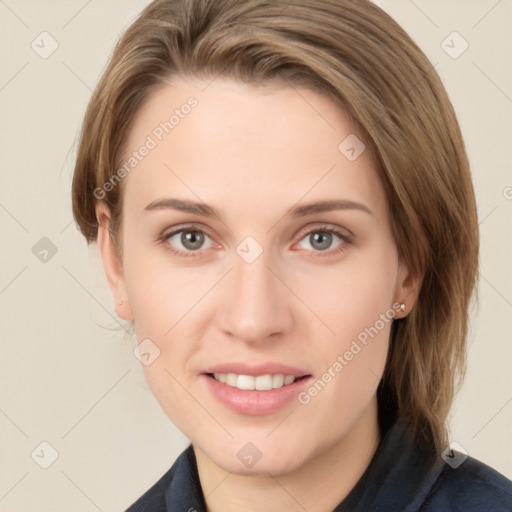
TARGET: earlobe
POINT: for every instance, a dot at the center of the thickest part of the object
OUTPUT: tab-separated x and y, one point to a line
112	264
407	290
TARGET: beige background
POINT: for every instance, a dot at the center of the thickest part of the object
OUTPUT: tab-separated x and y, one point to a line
67	375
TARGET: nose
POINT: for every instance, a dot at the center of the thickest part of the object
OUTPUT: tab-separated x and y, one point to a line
256	306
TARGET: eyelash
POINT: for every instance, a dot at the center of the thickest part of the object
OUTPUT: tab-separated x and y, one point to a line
345	240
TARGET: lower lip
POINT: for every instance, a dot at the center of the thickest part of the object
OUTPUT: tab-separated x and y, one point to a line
254	403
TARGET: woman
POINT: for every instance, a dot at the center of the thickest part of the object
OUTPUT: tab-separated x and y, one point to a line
283	204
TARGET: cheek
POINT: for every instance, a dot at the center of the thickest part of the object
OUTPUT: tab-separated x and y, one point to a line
356	306
166	306
160	295
352	296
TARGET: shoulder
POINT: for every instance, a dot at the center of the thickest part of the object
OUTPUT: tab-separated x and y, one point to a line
405	475
472	486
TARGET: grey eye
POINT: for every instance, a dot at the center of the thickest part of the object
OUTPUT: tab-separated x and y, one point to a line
190	240
321	240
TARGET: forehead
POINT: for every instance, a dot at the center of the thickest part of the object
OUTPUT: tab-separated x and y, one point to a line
245	145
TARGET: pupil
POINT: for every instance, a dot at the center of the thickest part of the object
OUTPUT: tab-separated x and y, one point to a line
192	239
321	241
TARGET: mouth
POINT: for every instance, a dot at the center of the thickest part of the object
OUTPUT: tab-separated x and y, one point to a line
264	382
255	390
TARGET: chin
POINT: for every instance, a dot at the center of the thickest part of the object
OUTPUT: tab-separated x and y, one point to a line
259	457
275	464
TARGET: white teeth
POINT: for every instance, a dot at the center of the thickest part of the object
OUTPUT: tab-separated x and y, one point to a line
277	380
288	379
250	383
245	382
263	382
231	379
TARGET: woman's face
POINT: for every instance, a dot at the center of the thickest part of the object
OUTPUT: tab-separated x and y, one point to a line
256	246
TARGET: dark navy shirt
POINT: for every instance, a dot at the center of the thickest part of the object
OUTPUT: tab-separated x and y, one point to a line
400	477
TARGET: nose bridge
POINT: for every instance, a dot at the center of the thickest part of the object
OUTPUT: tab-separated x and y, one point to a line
255	306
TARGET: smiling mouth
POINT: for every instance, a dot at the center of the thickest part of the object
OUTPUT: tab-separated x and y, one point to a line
255	383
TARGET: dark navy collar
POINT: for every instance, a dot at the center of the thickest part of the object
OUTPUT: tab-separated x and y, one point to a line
399	477
184	494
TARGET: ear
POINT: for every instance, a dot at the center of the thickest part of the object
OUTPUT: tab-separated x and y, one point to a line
407	289
112	264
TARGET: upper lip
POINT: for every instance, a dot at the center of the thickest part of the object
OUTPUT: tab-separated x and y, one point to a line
256	369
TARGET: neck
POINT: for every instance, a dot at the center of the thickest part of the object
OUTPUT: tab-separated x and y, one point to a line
317	486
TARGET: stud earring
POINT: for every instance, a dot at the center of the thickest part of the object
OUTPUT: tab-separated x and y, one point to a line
402	307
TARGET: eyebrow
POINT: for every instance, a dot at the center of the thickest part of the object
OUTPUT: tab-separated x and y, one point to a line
303	210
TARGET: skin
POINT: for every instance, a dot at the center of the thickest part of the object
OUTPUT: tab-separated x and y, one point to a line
254	152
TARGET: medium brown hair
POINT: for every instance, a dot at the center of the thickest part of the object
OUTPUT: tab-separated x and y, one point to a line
354	53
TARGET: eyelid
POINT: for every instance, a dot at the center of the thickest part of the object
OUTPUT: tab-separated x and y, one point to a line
186	227
323	226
